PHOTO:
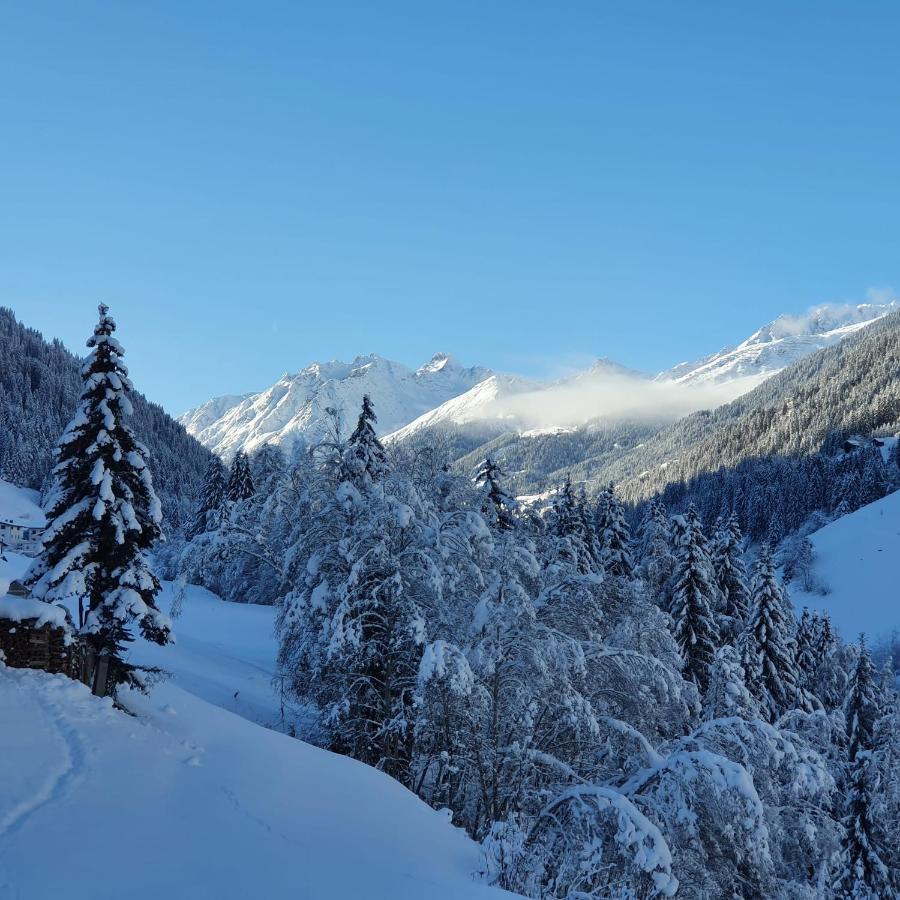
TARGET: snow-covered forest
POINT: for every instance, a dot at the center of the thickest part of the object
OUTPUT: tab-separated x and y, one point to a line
610	700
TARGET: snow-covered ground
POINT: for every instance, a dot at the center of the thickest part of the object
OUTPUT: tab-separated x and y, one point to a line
224	653
190	798
856	561
187	800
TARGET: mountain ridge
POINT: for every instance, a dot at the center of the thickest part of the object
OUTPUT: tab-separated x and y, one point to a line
442	393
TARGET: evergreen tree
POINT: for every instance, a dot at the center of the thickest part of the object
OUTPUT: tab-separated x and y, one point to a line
498	506
366	456
862	872
657	559
861	707
574	539
267	465
105	515
727	694
208	512
693	600
807	650
240	482
614	536
765	645
731	577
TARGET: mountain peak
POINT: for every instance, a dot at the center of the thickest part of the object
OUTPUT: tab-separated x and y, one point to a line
439	362
779	343
292	411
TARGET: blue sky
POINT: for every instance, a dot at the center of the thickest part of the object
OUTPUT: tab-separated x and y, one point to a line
526	184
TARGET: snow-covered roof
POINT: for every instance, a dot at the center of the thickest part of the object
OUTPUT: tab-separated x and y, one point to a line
19	506
19	609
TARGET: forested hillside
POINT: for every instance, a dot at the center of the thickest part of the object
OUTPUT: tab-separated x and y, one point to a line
851	387
610	713
39	386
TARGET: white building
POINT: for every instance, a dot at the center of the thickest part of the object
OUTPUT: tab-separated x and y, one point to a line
25	539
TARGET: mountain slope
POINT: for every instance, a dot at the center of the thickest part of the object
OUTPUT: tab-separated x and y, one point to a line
482	404
39	388
295	409
853	386
855	562
779	344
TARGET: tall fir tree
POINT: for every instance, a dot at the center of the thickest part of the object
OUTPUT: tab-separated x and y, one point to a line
693	600
862	873
731	577
240	482
807	659
365	454
657	559
861	708
208	511
497	505
105	515
766	651
727	694
574	539
613	536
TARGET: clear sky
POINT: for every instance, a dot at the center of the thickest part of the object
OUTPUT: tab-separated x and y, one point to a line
252	186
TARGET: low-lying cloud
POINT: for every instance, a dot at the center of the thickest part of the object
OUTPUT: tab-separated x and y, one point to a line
613	397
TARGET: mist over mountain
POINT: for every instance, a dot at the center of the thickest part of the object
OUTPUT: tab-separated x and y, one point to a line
483	405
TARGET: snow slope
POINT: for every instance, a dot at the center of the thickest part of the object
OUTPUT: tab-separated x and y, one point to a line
855	561
482	403
189	798
186	800
294	409
20	506
778	344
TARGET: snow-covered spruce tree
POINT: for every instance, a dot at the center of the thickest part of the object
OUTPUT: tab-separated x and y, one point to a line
498	506
731	577
807	650
365	453
240	482
887	743
573	539
613	536
765	645
267	466
861	708
656	558
105	515
208	511
861	872
694	597
727	694
352	625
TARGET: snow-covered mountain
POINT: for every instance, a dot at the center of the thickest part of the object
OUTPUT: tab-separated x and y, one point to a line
444	394
778	344
295	409
483	403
